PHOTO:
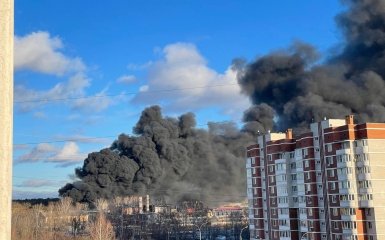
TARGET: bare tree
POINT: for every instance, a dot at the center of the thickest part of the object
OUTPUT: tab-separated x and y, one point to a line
101	228
101	205
22	222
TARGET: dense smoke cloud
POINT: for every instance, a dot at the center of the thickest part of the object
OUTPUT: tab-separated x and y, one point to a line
167	158
350	82
171	158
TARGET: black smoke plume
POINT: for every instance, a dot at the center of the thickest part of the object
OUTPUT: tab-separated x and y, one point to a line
168	158
298	90
171	158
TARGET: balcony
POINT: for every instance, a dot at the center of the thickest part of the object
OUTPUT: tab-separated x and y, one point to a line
284	227
349	231
348	203
365	190
348	217
248	164
344	164
343	190
366	204
364	176
343	151
362	149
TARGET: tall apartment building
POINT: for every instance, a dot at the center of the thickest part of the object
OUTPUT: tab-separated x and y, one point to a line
327	184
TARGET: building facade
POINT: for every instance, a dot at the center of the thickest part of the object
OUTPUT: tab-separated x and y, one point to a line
327	184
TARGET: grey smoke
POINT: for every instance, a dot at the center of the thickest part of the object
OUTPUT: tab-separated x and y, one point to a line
167	158
300	90
171	158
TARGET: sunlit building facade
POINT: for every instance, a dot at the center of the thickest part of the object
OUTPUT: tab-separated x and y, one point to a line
327	184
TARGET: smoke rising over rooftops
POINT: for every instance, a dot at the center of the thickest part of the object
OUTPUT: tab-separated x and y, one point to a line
171	158
167	158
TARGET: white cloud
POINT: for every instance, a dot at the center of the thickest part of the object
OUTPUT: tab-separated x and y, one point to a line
138	67
183	67
41	151
40	52
69	154
143	88
28	99
126	79
71	92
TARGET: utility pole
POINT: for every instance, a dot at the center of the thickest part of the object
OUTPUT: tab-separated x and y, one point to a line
6	116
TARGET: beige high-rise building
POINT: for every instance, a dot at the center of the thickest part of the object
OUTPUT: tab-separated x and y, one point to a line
327	184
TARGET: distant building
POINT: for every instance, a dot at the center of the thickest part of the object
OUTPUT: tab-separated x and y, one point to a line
135	204
226	215
327	184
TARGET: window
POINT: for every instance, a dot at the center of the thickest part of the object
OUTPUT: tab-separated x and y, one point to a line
306	163
335	211
329	147
344	184
335	225
271	179
370	225
310	211
307	187
368	212
304	152
329	160
345	145
364	184
293	165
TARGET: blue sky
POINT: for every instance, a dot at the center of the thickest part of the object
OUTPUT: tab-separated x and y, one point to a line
84	70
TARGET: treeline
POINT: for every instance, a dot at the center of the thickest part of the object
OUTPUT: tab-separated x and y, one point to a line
121	218
58	220
35	201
